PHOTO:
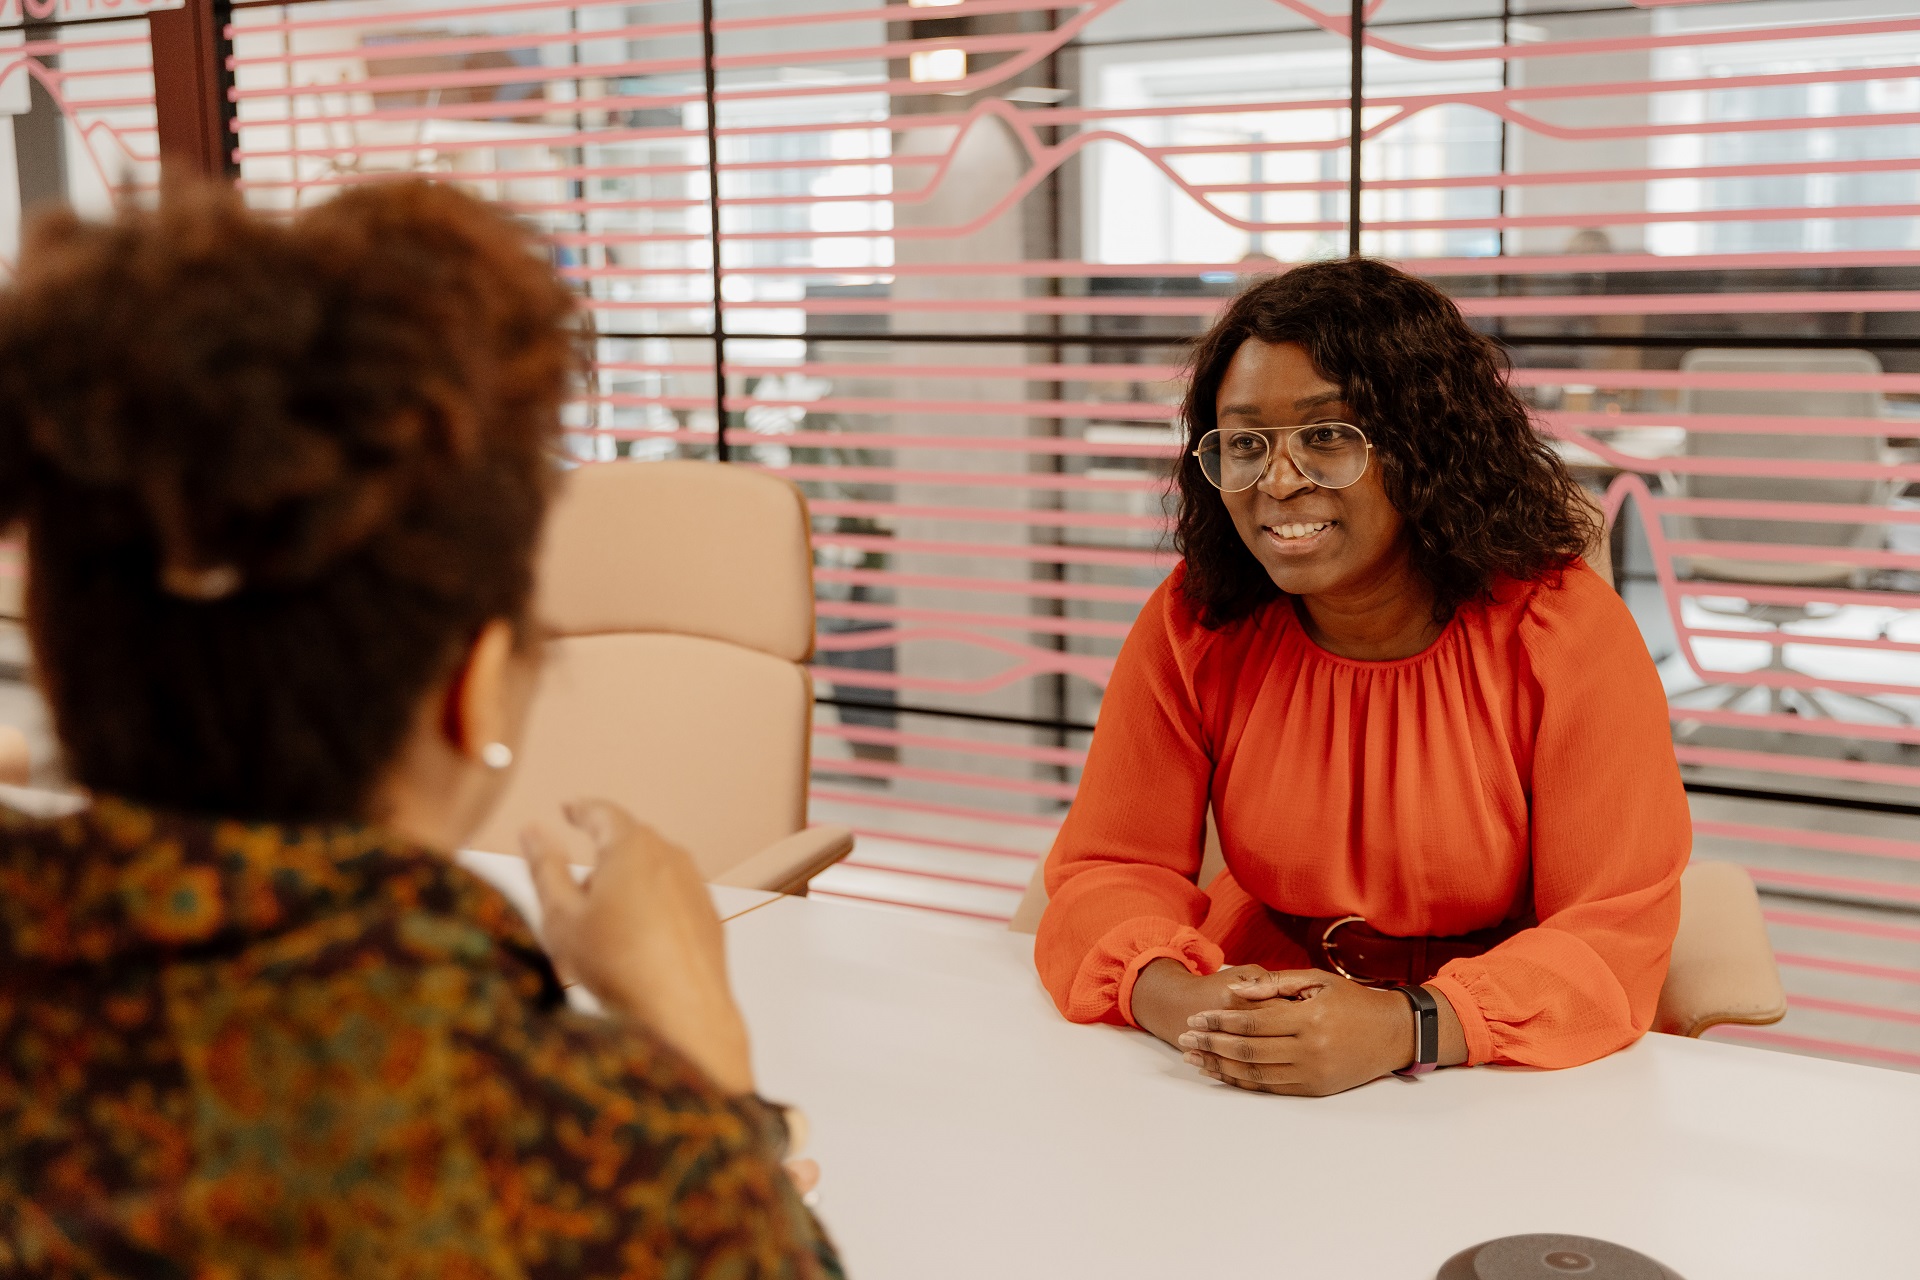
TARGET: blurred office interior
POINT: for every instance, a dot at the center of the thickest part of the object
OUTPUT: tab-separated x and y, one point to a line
937	262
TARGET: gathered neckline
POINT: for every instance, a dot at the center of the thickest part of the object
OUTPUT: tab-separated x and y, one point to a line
1319	651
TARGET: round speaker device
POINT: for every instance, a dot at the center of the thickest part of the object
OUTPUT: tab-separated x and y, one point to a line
1552	1257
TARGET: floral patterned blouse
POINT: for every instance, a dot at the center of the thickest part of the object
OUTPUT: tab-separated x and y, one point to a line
234	1050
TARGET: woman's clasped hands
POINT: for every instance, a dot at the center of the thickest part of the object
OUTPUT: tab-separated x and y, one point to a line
1300	1031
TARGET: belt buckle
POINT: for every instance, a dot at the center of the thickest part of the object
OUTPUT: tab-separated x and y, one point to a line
1332	958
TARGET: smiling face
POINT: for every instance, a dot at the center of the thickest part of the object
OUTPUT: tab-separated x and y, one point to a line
1311	541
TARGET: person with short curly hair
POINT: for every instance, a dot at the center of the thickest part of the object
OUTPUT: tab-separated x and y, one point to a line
1428	735
281	482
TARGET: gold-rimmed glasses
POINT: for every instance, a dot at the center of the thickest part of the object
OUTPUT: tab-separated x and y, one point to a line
1331	454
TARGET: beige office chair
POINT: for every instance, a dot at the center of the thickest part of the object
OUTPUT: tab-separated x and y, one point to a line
1865	493
679	602
1722	968
16	757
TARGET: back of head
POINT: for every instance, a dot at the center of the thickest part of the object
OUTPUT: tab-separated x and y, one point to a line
274	475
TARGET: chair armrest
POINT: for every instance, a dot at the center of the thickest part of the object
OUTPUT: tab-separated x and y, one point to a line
42	802
1033	903
1722	968
786	865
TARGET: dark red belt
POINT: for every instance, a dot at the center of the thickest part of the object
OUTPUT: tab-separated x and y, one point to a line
1352	948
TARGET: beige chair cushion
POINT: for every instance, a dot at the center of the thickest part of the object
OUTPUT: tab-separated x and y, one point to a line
1722	968
705	741
699	548
1033	903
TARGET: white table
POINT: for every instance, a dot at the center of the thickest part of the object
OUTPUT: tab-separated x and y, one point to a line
967	1130
513	878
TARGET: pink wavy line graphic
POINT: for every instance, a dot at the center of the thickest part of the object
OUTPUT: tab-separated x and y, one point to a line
1030	552
1042	624
1613	44
987	515
1785	1040
1044	159
1716	423
1841	924
1853	967
1765	509
1843	884
966	479
1038	372
1093	667
881	769
1487	181
1676	380
1038	590
1798	639
1673	589
857	678
71	110
1825	841
1869	301
869	800
1106	410
1065	757
1025	855
1805	725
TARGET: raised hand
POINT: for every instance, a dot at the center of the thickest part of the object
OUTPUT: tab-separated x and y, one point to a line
641	934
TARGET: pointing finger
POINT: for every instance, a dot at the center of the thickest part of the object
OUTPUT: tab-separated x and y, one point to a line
605	822
553	881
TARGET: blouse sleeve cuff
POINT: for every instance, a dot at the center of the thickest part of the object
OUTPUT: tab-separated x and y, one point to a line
1472	1024
1103	987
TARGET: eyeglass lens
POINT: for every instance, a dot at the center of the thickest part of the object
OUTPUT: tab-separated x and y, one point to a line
1331	454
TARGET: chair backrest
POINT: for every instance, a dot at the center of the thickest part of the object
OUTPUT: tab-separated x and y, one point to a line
1807	446
679	601
1033	903
1722	968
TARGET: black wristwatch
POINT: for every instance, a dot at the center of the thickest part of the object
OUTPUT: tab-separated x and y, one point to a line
1426	1026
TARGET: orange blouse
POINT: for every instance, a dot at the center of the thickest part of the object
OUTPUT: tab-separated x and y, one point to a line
1521	762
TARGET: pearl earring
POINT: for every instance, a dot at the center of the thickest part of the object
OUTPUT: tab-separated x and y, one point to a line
496	755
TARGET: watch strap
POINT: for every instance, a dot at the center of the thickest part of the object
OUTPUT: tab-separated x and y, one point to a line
1426	1027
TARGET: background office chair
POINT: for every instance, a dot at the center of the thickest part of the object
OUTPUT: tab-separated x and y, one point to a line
678	598
1812	446
1722	968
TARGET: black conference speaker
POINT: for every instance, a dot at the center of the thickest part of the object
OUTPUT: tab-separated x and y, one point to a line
1552	1257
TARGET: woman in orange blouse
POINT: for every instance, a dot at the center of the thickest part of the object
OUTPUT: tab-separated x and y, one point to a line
1431	739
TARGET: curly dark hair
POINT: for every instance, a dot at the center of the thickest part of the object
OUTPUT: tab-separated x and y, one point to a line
275	475
1482	493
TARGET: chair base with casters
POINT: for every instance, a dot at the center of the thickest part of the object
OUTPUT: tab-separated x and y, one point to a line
1722	970
1744	535
1811	702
